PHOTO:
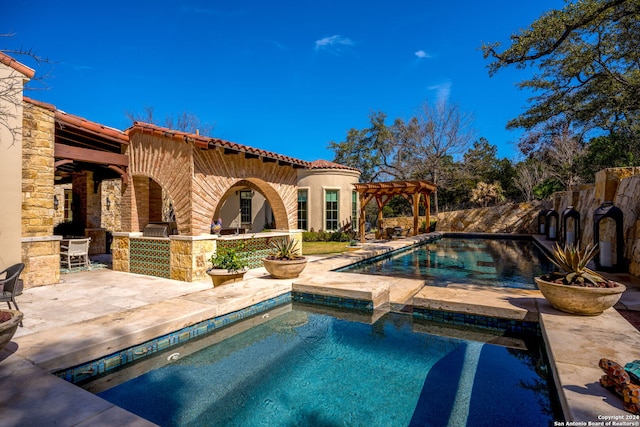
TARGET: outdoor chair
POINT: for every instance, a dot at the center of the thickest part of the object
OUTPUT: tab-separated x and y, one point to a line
75	253
11	285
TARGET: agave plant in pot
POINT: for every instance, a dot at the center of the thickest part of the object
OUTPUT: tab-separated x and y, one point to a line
286	261
577	289
227	265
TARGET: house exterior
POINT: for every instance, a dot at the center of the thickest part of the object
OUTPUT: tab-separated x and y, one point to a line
326	198
59	169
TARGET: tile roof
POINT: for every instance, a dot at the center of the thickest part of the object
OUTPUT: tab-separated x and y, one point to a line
78	122
325	164
12	63
207	142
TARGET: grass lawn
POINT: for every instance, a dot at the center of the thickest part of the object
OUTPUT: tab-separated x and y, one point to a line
316	248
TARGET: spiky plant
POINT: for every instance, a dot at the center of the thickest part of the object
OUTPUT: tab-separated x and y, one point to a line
285	249
573	262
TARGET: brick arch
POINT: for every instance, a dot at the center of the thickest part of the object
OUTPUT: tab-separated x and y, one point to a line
272	196
149	185
167	163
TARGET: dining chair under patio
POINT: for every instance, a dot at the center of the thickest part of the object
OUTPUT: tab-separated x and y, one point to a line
75	253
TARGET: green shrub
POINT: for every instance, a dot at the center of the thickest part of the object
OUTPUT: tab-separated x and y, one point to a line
339	236
309	236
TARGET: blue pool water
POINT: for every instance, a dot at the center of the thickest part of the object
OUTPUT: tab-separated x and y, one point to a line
506	263
300	368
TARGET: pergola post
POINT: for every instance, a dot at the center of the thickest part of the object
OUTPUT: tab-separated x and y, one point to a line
416	212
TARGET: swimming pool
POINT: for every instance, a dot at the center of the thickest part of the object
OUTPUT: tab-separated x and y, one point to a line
511	263
295	366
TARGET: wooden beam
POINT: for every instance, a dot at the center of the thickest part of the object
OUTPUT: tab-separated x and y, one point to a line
416	212
90	156
62	162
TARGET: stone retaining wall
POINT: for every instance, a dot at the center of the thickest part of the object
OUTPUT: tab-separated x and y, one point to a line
619	185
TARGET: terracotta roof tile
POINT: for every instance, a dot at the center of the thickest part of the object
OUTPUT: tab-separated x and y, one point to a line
82	123
44	105
207	142
325	164
21	68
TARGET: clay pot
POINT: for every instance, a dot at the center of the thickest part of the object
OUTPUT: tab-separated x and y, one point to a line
284	269
580	300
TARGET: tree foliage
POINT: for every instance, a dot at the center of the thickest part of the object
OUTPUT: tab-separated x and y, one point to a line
587	66
372	150
417	148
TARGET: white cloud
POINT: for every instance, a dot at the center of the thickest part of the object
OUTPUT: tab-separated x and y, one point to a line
333	42
422	54
443	90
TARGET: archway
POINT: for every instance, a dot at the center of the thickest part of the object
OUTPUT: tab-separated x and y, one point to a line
269	193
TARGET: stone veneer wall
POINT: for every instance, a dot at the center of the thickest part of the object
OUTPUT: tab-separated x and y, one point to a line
622	187
189	255
619	185
516	218
40	248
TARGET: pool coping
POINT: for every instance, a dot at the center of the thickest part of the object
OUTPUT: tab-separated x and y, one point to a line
574	344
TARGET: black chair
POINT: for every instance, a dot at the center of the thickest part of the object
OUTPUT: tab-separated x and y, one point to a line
11	285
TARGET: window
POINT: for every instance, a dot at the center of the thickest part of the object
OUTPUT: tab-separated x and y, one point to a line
302	210
354	210
68	205
245	207
331	210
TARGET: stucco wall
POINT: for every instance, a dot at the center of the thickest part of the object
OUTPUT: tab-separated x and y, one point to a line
316	181
10	165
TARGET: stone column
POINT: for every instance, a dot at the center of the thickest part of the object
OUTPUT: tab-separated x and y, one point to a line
40	248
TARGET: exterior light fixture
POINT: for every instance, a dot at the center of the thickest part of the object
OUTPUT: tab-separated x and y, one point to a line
611	244
542	221
552	225
570	226
56	203
108	203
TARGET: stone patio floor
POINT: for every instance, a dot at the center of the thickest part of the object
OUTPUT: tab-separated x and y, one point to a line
94	313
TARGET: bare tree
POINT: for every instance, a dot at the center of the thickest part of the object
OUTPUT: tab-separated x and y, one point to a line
440	131
185	122
529	174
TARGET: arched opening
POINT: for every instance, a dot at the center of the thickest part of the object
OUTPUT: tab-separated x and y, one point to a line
153	204
250	205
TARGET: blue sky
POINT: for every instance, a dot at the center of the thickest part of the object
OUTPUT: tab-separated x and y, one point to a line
285	76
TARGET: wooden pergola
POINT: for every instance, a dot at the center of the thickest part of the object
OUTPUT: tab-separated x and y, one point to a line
384	191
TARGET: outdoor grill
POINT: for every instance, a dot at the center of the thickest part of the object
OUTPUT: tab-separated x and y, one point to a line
157	229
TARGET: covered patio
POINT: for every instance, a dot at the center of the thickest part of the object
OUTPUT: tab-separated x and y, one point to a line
382	192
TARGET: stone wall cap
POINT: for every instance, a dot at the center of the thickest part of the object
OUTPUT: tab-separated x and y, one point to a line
41	239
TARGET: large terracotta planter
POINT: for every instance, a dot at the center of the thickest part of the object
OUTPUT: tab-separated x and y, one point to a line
284	269
8	328
580	300
220	276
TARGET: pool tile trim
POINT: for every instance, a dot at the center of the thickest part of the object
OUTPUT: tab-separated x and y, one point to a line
332	301
487	322
103	365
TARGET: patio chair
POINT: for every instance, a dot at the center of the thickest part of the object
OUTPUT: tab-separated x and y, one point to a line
75	253
11	285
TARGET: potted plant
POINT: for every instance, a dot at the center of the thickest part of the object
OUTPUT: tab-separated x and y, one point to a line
227	266
354	245
9	321
578	289
286	262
